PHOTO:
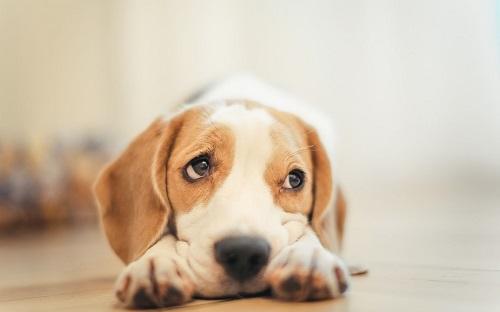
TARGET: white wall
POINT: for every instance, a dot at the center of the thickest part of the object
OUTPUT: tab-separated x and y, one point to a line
54	75
413	86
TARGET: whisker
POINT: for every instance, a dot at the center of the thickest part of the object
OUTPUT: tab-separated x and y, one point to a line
300	150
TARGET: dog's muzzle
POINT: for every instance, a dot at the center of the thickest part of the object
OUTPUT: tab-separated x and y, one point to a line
242	257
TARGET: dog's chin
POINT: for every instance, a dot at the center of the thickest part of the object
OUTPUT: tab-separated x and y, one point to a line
229	288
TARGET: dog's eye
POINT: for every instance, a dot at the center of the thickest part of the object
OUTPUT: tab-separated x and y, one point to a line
197	168
294	180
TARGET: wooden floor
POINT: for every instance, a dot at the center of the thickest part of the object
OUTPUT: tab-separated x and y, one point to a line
428	248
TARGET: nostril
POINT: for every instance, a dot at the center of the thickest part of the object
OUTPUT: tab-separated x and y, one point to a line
256	259
231	258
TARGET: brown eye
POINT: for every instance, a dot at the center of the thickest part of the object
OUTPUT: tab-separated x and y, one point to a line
197	168
294	180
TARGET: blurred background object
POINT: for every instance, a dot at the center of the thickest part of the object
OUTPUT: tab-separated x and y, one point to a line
412	86
44	184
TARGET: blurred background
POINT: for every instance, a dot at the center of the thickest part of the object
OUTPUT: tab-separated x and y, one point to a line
413	88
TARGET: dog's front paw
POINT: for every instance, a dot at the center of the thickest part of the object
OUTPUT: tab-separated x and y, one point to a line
312	274
153	282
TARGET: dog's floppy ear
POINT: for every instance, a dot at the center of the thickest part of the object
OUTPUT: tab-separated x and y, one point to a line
328	212
131	192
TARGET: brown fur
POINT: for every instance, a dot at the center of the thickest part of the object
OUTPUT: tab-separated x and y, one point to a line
131	191
340	213
290	152
215	140
298	143
138	191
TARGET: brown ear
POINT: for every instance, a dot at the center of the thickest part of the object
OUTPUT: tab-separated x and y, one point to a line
131	191
329	208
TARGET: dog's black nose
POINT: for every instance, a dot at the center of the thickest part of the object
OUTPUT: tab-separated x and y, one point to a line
242	257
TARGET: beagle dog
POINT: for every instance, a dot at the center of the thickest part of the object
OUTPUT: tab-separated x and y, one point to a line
234	194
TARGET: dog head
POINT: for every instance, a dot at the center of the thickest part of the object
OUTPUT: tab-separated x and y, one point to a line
235	182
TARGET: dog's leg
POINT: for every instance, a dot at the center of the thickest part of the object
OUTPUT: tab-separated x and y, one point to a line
159	278
305	270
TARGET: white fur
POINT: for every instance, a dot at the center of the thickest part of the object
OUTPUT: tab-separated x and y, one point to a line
307	254
167	262
243	204
245	86
249	87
